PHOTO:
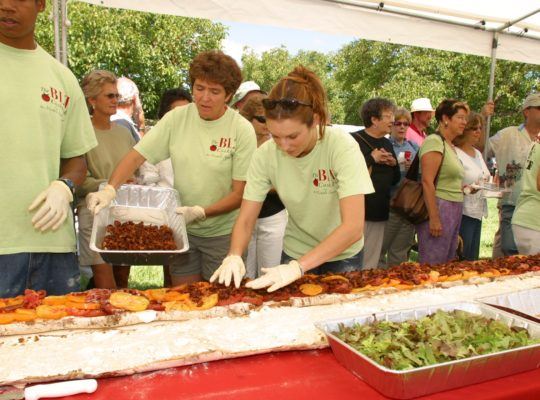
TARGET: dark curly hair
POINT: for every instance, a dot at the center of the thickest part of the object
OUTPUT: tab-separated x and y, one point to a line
170	96
216	67
373	108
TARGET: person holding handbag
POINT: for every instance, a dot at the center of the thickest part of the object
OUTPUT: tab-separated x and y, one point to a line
442	177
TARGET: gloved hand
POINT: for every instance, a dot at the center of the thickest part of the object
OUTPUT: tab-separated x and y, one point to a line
148	174
55	208
277	277
191	214
97	201
231	267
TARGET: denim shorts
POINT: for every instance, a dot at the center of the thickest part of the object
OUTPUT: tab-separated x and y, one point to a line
57	273
353	263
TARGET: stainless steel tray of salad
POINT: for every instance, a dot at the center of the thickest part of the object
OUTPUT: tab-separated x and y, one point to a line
523	302
409	353
153	206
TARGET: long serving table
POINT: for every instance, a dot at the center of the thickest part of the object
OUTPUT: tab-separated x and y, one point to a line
288	375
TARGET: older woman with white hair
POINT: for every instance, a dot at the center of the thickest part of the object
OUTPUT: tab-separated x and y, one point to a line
114	142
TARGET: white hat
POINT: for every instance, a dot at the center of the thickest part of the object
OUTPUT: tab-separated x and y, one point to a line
532	100
244	89
422	104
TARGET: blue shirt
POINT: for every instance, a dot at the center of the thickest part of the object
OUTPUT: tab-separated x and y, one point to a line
406	145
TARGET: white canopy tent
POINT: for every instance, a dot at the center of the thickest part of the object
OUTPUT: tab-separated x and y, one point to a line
500	29
463	26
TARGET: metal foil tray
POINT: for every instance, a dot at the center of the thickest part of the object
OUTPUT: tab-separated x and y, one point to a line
421	381
150	205
524	301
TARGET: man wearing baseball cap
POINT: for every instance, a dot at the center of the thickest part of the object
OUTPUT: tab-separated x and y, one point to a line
422	112
244	92
510	147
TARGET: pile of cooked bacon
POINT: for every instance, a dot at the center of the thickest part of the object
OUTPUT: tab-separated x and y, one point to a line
203	295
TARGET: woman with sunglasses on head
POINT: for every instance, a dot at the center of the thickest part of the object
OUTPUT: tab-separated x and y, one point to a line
114	142
321	177
266	243
442	177
476	172
398	232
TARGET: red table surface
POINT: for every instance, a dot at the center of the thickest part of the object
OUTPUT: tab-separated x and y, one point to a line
289	375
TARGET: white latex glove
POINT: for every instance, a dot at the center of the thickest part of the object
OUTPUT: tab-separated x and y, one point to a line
191	214
55	208
99	200
148	174
154	216
277	277
231	267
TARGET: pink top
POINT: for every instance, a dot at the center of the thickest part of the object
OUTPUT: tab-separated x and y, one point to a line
416	135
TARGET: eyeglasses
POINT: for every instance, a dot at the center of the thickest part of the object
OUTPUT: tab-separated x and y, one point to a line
401	123
260	118
112	96
286	104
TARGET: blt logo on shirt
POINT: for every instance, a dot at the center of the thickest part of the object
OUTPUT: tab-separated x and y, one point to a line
324	181
54	100
221	147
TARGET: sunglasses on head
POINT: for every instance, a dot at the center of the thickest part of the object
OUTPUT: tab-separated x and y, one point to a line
286	104
112	96
401	123
260	118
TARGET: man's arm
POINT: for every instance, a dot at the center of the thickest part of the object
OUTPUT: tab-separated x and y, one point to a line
73	169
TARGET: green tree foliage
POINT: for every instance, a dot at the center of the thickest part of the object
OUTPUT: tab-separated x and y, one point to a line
153	50
267	68
402	73
364	69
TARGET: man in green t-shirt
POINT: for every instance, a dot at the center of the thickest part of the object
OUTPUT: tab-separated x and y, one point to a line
526	219
46	130
210	147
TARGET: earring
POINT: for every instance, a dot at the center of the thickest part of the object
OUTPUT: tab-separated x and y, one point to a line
445	124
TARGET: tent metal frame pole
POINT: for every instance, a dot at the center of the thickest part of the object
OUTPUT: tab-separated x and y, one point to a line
56	29
64	28
480	25
487	130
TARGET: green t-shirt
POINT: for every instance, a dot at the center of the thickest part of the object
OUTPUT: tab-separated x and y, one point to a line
43	118
310	187
449	185
206	157
527	211
113	145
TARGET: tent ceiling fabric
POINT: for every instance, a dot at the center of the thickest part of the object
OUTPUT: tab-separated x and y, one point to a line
352	18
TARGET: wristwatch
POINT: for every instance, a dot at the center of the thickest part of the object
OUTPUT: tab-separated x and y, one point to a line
69	183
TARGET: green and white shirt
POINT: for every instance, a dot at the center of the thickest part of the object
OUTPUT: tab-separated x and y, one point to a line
527	213
206	157
310	187
43	118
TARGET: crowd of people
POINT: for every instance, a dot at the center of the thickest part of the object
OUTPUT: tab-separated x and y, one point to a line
269	188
